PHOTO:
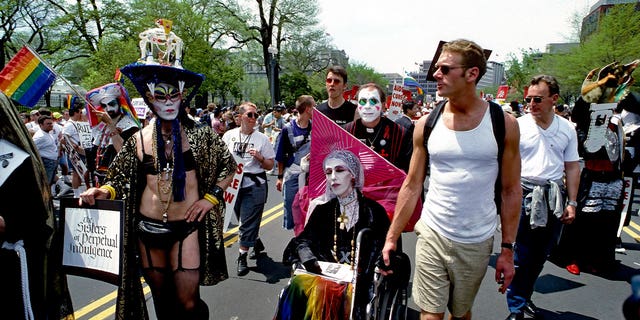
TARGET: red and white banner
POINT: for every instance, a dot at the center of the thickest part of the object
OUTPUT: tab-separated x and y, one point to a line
231	193
395	106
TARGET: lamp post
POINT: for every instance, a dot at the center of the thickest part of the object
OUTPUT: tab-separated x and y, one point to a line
273	53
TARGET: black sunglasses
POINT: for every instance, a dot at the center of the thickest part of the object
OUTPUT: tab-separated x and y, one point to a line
536	99
252	115
445	69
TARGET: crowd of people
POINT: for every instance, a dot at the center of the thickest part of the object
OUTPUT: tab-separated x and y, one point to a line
517	168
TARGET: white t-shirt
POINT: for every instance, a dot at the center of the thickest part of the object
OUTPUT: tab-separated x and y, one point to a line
544	152
79	132
239	145
47	144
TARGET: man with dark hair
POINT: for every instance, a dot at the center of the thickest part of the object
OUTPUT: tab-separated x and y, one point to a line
409	111
337	108
77	135
458	220
47	146
549	150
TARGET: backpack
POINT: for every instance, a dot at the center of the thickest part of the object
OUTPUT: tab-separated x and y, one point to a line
497	121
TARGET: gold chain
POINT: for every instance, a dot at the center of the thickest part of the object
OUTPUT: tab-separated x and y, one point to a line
335	237
163	175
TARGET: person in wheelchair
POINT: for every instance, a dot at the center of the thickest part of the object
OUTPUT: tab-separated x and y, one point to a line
331	231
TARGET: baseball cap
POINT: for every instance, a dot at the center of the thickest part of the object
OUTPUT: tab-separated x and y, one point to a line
278	107
57	115
34	112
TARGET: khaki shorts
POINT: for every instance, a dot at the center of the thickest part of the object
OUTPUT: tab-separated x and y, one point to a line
445	268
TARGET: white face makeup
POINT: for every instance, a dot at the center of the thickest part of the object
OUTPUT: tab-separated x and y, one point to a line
369	105
166	100
339	178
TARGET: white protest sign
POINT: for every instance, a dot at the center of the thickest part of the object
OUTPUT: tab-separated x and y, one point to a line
395	107
141	107
92	239
231	194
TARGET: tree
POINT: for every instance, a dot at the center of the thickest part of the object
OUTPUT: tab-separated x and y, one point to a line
360	73
274	22
293	86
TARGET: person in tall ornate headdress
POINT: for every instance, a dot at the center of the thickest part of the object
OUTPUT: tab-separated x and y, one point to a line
26	226
173	175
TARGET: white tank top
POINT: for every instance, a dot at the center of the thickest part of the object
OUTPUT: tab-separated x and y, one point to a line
460	202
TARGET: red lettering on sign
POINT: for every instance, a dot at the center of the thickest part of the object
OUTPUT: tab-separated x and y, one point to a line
228	197
235	183
239	169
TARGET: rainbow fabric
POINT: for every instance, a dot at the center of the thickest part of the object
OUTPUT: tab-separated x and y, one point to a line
26	78
409	81
311	297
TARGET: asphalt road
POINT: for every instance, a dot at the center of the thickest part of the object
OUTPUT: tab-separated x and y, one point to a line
559	294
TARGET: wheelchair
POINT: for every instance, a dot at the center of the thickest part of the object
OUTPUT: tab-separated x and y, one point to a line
360	295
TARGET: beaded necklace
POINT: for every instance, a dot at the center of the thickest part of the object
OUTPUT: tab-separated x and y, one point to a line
164	179
341	218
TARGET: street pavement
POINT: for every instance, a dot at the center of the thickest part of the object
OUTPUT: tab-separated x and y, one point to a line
560	295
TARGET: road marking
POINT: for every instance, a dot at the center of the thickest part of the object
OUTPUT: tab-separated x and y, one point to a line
630	230
267	217
234	237
110	311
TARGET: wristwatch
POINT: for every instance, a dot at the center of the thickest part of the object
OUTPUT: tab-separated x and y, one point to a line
572	203
511	246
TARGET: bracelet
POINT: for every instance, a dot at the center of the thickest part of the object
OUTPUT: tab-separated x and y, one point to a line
218	193
211	199
572	203
280	176
112	191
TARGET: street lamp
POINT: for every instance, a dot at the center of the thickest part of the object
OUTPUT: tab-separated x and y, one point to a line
273	53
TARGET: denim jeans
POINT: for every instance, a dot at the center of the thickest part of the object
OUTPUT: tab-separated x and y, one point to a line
50	167
249	208
533	246
289	192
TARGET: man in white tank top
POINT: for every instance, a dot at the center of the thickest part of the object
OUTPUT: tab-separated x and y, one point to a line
458	221
549	150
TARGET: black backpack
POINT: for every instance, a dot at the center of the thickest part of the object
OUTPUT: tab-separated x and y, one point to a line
497	121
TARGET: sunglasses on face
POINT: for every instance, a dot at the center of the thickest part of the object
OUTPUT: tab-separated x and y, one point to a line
333	80
372	101
536	99
251	115
162	97
112	103
446	69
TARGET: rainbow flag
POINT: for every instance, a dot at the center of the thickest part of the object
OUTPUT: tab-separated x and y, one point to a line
26	78
409	81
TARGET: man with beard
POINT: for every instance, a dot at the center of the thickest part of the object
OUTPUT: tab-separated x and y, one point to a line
385	137
337	108
114	129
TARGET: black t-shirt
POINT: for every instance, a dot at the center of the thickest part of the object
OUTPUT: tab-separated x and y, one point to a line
340	115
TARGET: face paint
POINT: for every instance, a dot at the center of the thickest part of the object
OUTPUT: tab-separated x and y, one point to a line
339	178
112	107
369	105
166	101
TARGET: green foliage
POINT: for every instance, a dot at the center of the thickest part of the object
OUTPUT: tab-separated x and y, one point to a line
360	73
292	86
615	40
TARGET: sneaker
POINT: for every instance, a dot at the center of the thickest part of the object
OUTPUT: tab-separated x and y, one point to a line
531	310
243	266
257	249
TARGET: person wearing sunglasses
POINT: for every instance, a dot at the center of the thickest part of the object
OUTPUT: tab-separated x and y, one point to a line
173	174
253	150
336	107
549	150
458	219
387	138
